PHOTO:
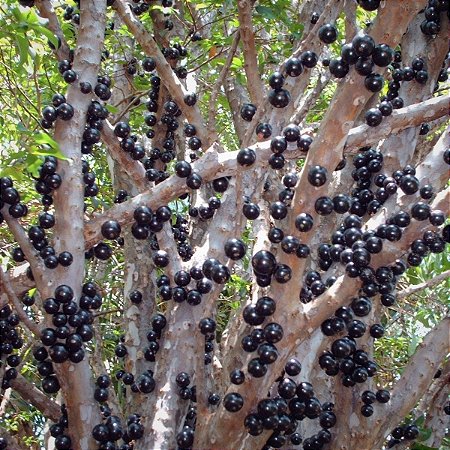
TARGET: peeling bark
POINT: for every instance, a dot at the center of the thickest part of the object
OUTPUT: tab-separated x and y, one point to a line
75	380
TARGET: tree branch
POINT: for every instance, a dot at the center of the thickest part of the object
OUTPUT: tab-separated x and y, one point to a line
350	20
236	95
398	150
297	87
168	77
309	101
430	171
400	119
76	379
30	324
415	380
134	169
254	84
214	165
46	10
19	280
38	399
426	284
212	110
433	404
38	269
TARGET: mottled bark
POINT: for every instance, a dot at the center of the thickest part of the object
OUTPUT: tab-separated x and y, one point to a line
75	379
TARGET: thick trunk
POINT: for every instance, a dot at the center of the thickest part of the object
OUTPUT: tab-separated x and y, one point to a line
75	379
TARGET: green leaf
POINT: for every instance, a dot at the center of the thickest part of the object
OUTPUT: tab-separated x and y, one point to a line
417	446
23	45
48	144
22	129
44	138
112	109
32	18
39	29
420	421
47	151
412	345
425	434
17	14
266	12
33	163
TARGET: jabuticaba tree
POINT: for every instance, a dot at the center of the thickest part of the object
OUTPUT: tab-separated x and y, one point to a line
211	218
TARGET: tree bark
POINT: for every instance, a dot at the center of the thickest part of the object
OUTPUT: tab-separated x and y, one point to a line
75	379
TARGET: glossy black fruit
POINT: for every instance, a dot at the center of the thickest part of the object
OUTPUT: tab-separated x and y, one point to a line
328	33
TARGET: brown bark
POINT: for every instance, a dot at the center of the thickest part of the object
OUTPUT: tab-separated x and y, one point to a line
38	399
399	148
32	256
75	379
254	83
13	442
437	421
401	121
133	169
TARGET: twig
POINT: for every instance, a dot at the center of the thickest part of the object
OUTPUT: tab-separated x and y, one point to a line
30	324
305	107
211	58
109	311
129	107
426	284
212	111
